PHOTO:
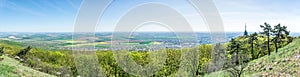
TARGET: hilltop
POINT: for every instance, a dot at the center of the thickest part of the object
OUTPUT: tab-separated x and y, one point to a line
283	63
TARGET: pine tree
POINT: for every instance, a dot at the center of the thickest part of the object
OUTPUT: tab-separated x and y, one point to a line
279	32
267	31
252	39
238	61
234	49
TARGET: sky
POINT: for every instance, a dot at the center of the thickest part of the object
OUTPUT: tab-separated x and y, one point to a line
60	15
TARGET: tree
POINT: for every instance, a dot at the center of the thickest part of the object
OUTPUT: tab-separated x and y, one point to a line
23	52
238	61
279	32
252	38
204	58
234	48
1	51
218	57
238	70
267	31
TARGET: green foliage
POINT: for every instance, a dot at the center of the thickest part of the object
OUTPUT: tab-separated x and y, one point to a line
236	63
255	45
6	70
280	33
1	51
283	63
260	44
24	52
88	64
13	68
61	63
204	59
252	39
267	31
235	54
58	63
218	56
9	43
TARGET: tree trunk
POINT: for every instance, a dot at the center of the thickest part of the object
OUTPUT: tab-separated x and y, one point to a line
258	54
276	41
239	74
269	52
252	50
276	46
237	55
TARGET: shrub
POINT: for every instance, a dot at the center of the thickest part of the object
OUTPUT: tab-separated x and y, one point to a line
23	52
1	51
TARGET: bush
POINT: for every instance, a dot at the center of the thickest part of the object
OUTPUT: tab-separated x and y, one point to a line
1	51
23	52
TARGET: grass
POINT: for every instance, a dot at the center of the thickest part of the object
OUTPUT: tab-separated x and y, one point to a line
218	74
285	63
6	70
12	68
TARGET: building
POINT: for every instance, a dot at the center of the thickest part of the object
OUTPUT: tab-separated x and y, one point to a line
245	33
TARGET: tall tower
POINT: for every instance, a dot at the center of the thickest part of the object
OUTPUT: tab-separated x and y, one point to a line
245	33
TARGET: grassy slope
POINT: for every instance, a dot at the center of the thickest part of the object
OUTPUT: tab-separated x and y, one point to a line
284	63
11	67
